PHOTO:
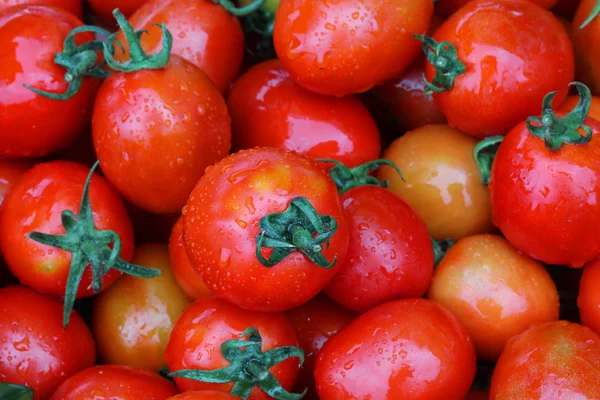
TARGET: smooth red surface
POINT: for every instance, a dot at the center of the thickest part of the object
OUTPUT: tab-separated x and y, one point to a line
35	204
221	225
447	7
268	109
33	125
589	296
315	322
35	349
115	382
389	253
204	395
10	172
193	348
533	188
104	8
410	349
338	48
156	131
585	41
75	7
515	53
572	101
552	361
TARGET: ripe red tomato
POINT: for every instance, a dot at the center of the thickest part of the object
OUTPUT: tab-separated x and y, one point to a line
268	109
556	360
199	349
447	7
588	61
253	196
494	291
33	125
389	254
10	172
550	183
186	275
406	349
35	349
204	33
157	129
115	382
315	322
588	300
204	395
571	102
348	47
506	47
75	7
104	8
36	203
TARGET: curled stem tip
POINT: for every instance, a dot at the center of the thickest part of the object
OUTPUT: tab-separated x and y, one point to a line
348	178
444	58
484	155
240	11
592	16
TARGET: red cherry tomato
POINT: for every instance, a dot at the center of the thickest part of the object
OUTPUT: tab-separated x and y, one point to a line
75	7
157	129
204	33
514	53
35	349
584	40
589	296
204	395
221	228
389	254
447	7
33	125
348	47
315	322
10	172
556	360
199	349
104	8
268	109
185	274
35	203
406	349
115	382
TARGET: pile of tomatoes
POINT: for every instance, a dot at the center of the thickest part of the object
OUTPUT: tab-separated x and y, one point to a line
286	199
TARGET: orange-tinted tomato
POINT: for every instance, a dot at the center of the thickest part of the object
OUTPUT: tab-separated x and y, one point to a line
104	8
572	101
268	109
75	7
10	172
186	275
494	290
338	48
585	41
552	361
204	395
159	129
447	7
133	319
441	174
588	300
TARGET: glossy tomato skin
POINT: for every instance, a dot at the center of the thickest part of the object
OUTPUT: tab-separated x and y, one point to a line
441	174
35	349
75	7
133	319
532	187
389	252
221	225
588	300
193	348
418	348
514	53
204	33
584	40
447	7
10	172
104	8
556	360
35	204
268	109
494	291
348	47
157	129
115	382
204	395
33	125
186	275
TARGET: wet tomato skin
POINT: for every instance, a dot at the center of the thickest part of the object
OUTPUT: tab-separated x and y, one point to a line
33	125
204	395
268	109
514	53
221	226
10	172
533	187
588	300
35	204
75	7
32	335
115	382
447	7
555	360
418	348
348	47
494	291
389	253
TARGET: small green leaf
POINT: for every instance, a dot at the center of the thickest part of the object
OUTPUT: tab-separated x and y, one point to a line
9	391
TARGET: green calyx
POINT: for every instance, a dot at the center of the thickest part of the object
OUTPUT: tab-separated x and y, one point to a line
9	391
88	246
299	228
240	11
484	155
557	131
349	178
593	14
248	367
139	59
79	61
444	58
440	248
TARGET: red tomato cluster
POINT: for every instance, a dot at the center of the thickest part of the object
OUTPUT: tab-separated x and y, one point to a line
287	199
